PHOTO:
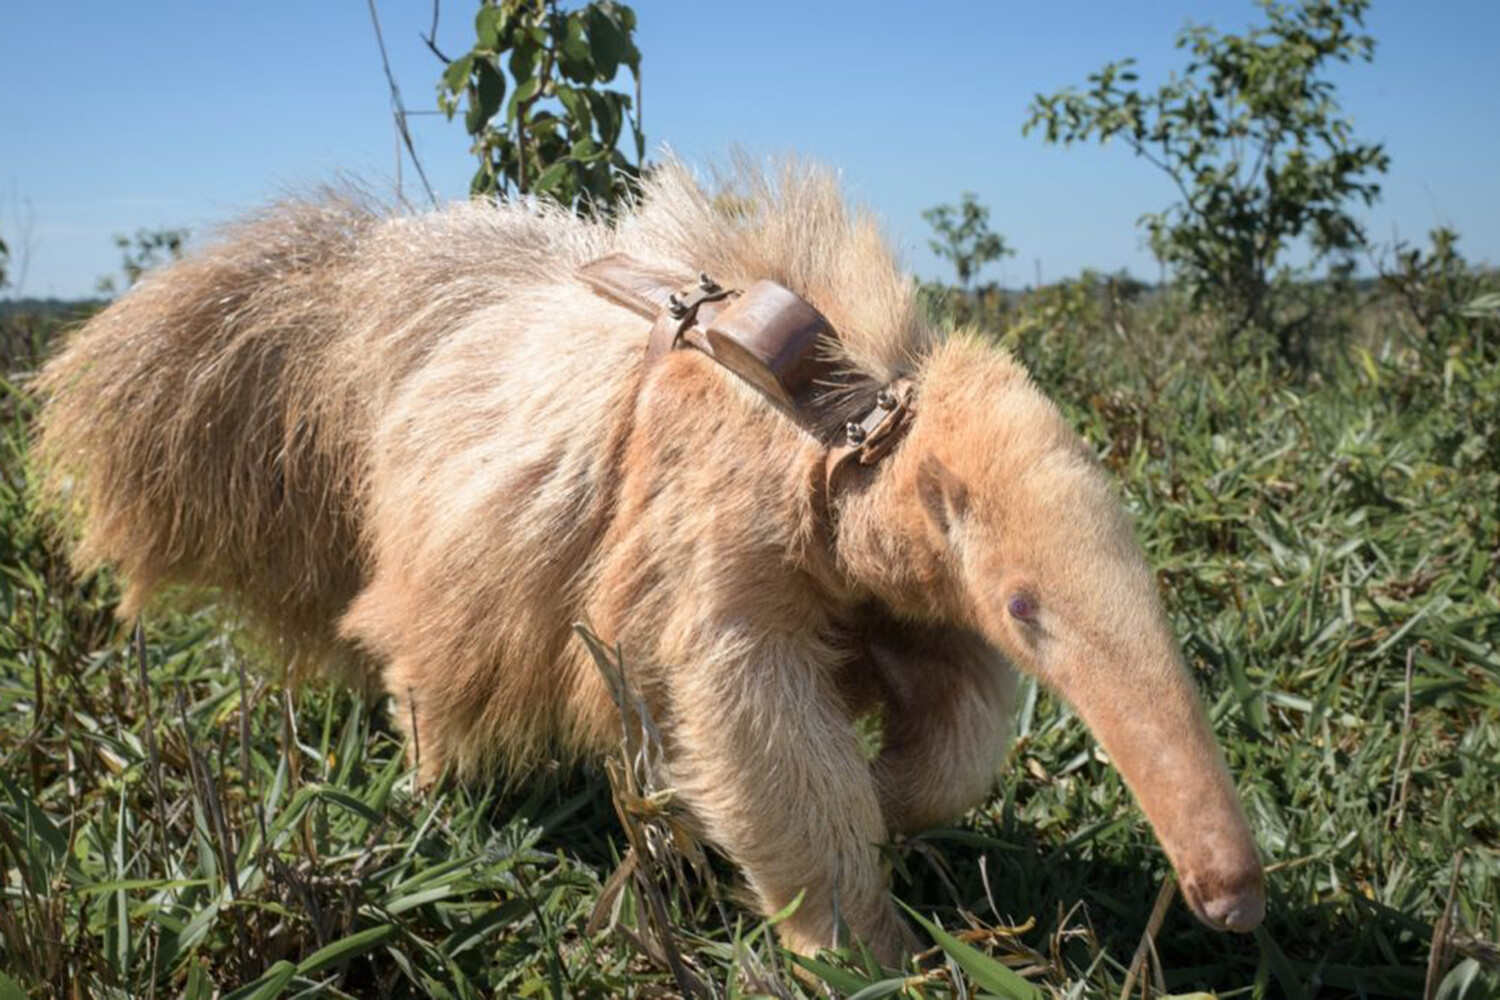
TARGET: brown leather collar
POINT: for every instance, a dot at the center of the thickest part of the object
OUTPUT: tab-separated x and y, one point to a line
767	335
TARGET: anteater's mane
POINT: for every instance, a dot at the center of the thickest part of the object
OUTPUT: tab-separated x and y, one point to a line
787	222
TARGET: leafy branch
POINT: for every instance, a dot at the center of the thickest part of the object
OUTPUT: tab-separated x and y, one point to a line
559	132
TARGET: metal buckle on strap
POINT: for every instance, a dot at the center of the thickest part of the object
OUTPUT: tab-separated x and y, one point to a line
681	312
869	438
683	304
679	319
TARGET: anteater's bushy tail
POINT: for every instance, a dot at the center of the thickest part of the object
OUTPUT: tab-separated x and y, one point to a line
178	439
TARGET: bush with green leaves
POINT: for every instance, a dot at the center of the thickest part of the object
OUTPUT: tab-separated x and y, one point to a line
539	110
1441	291
148	248
1251	134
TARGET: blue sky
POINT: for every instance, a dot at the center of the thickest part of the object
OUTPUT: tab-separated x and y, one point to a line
117	116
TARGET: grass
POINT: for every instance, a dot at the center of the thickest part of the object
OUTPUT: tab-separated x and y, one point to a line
176	822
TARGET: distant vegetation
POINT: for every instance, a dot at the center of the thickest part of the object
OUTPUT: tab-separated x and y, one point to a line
964	239
148	248
1250	133
1319	501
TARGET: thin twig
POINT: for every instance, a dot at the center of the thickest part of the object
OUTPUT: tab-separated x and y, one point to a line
431	37
936	861
398	110
416	738
245	759
207	792
1398	785
1153	925
984	880
158	789
1441	951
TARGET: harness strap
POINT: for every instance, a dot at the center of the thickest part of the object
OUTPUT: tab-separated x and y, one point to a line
768	336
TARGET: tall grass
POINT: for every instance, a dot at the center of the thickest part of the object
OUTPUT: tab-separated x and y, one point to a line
176	822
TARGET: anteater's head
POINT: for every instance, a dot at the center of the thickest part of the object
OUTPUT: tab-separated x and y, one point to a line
994	515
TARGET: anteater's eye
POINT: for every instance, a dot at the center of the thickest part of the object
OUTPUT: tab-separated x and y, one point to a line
1022	607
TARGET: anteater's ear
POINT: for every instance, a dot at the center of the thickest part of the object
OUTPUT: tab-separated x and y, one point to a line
944	496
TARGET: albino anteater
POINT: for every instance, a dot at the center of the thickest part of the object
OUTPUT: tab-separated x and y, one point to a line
425	446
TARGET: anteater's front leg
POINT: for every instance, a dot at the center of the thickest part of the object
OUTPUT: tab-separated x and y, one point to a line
764	754
948	700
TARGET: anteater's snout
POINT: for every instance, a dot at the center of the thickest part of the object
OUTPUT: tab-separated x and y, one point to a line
1237	903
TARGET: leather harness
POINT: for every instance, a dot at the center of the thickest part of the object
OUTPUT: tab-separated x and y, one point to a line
767	335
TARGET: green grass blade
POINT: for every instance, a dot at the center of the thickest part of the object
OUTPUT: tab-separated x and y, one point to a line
345	948
269	986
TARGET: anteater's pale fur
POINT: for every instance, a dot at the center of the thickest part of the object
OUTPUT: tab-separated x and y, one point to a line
419	444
